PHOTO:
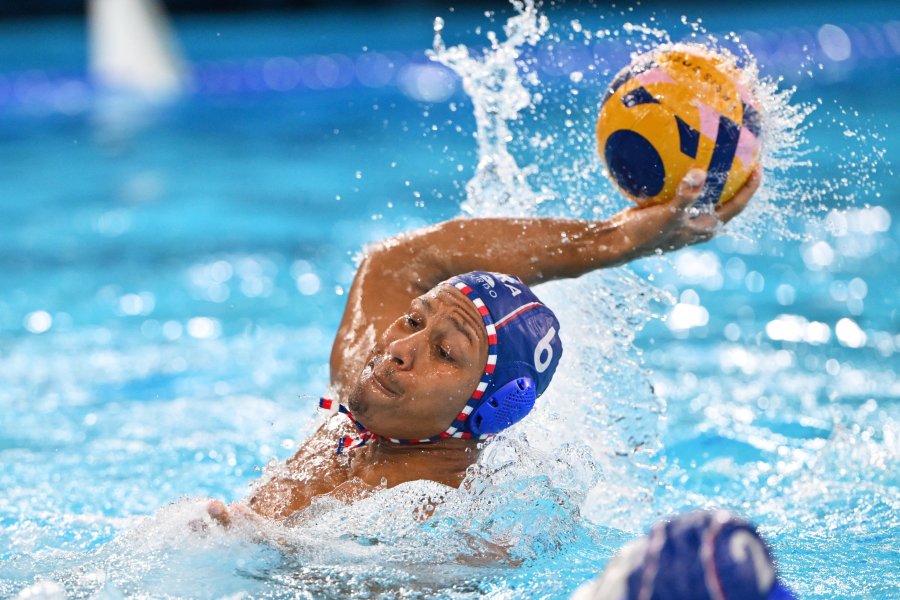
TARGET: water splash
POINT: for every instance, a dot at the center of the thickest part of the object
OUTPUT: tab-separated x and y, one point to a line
607	404
606	407
802	182
498	95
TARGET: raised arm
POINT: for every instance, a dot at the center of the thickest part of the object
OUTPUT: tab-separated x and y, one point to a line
534	249
538	250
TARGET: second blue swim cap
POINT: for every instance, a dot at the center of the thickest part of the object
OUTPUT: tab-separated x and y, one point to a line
701	555
523	351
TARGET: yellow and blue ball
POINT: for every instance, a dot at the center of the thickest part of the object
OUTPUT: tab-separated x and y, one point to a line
672	110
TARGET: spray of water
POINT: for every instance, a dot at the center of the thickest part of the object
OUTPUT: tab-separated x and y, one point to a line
606	406
493	84
606	403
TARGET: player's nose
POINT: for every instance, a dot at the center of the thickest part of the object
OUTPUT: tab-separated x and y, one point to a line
402	351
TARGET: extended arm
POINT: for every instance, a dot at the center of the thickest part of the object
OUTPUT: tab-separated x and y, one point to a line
544	249
534	249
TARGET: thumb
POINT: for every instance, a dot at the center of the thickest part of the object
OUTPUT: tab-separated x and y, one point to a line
689	189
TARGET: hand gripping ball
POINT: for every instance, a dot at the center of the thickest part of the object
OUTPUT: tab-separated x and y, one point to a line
672	110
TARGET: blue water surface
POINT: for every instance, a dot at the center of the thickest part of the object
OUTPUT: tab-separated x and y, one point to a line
171	277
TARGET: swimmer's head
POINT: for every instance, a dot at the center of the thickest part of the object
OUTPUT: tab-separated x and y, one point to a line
695	556
467	360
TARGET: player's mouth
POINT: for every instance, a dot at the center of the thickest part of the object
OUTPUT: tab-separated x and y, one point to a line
384	384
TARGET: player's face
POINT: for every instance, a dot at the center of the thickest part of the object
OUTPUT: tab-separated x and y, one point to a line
424	368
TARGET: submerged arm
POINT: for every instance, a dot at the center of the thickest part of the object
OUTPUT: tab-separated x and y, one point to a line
312	471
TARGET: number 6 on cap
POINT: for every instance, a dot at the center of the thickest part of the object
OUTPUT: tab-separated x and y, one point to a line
540	362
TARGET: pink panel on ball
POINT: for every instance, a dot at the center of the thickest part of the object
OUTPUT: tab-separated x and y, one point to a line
709	121
746	95
746	147
654	76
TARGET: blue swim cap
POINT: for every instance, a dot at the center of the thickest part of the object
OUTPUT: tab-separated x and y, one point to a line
697	556
523	351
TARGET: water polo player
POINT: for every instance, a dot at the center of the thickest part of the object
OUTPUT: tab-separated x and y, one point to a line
443	344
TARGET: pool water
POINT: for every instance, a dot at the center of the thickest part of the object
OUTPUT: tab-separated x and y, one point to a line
172	277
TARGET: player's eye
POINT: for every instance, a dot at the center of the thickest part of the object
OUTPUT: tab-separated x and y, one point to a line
413	321
444	353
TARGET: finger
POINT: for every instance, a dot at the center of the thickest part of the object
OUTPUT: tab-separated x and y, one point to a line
733	207
219	513
689	189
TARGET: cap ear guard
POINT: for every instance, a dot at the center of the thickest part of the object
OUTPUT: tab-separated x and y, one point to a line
506	406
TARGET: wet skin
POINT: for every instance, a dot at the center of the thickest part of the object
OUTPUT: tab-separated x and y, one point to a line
420	373
410	351
423	369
